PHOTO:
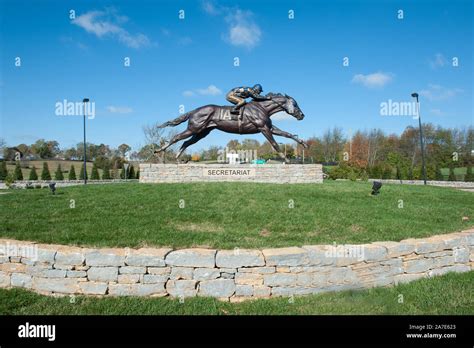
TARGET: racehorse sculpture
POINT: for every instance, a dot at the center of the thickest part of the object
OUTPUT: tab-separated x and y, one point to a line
254	118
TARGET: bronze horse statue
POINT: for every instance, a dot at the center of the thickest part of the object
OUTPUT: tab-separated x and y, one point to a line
254	118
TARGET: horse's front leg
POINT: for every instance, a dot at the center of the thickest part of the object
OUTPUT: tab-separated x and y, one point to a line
268	134
277	131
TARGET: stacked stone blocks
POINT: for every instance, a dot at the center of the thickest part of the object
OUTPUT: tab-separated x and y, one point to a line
236	274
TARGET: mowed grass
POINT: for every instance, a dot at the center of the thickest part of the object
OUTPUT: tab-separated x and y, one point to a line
230	215
450	294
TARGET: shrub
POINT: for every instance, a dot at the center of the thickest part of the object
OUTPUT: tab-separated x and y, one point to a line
3	170
115	174
81	174
58	175
106	172
17	174
439	174
376	172
398	173
387	172
95	173
410	173
45	174
469	175
72	173
122	173
138	174
33	174
344	171
451	176
430	172
9	179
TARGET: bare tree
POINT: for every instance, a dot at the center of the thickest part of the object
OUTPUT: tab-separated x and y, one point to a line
156	137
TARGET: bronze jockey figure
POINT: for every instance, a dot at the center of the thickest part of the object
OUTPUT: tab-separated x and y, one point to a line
238	95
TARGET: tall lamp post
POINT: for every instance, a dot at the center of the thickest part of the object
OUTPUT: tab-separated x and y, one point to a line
415	95
85	100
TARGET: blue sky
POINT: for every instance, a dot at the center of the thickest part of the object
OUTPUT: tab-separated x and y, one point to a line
190	61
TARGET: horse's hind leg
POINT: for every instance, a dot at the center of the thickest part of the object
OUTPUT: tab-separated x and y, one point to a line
180	136
195	138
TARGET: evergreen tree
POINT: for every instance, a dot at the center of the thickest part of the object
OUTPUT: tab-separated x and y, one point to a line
410	173
3	170
451	177
398	173
33	174
81	174
138	174
72	173
17	174
115	174
58	175
469	175
131	172
95	173
106	172
45	174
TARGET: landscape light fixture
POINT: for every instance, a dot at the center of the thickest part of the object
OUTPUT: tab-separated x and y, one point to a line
377	185
52	187
85	100
415	95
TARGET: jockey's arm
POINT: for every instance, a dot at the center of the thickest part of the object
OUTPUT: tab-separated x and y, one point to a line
256	96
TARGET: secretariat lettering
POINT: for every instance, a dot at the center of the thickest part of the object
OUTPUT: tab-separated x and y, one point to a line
229	172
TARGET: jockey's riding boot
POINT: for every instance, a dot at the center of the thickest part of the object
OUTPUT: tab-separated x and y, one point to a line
235	110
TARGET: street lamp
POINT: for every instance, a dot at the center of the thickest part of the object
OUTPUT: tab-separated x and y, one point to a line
85	100
415	95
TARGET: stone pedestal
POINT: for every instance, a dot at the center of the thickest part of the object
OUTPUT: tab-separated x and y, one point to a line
199	172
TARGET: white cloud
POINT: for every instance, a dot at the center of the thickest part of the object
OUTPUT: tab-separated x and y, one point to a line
188	93
438	61
108	24
184	41
210	90
119	109
437	92
436	112
243	31
210	8
375	80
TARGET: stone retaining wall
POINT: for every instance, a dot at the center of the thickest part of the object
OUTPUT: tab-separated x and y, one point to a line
230	274
23	184
199	172
455	184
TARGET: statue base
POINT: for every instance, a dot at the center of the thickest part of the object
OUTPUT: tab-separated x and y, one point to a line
200	172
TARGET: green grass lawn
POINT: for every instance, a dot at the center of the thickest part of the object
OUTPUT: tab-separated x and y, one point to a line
449	294
229	215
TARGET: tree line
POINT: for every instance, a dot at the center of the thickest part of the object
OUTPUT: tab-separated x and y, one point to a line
365	153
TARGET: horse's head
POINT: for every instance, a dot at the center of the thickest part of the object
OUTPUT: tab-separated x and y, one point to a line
289	105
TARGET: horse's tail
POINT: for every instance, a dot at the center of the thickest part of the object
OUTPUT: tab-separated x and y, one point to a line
176	121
